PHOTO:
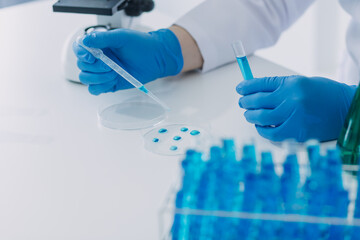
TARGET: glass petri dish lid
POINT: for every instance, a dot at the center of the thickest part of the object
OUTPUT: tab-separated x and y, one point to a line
131	115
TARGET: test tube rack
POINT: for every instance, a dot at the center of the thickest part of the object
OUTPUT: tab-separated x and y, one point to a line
220	196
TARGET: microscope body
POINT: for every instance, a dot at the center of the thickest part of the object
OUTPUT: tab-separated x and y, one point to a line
111	14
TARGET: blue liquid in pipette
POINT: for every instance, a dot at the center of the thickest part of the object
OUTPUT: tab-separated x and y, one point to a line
245	67
143	89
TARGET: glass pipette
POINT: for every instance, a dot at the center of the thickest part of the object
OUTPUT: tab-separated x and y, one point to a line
242	60
99	54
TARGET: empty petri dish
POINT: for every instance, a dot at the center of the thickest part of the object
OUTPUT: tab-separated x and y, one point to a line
131	115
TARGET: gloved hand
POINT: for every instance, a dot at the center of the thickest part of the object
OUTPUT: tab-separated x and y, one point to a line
146	56
296	107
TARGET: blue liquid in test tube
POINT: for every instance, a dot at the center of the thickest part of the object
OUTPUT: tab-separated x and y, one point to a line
242	60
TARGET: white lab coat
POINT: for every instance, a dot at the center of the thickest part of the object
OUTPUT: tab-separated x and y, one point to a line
215	24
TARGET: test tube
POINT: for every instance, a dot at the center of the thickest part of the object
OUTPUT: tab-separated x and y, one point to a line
242	60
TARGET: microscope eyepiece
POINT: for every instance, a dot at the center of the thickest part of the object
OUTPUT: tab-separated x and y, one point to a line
132	8
137	7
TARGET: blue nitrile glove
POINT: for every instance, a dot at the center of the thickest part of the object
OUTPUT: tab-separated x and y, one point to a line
296	107
146	56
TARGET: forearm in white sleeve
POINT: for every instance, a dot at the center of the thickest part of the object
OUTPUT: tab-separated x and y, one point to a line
215	24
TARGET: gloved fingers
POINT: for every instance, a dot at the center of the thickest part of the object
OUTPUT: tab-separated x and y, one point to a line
266	84
97	67
110	39
82	54
89	78
97	89
264	117
271	133
288	129
270	117
260	100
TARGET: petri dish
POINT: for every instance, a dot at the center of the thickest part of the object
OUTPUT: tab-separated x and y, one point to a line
131	115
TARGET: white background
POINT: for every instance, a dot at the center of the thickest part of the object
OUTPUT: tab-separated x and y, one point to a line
62	176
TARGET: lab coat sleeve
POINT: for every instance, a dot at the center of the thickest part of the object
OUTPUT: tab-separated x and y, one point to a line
215	24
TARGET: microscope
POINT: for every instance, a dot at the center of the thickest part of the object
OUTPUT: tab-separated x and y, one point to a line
111	14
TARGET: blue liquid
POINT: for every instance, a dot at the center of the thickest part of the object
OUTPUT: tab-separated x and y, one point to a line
194	132
163	130
173	148
245	68
143	89
177	138
155	140
184	129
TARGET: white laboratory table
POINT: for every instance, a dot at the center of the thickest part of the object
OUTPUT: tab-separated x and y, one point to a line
62	176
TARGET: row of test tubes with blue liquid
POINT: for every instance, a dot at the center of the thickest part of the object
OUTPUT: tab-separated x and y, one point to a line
223	197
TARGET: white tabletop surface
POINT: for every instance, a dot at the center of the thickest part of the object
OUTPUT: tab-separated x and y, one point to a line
62	176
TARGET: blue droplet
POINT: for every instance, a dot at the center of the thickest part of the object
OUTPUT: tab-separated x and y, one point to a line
163	130
155	140
195	132
177	138
184	129
173	148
